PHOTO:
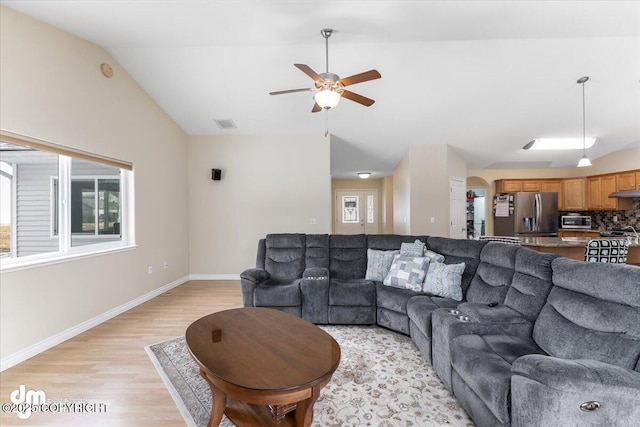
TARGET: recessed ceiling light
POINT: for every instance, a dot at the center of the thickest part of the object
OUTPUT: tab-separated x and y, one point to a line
559	144
364	175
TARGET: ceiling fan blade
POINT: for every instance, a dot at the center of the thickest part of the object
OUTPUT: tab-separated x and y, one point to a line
316	108
290	91
309	72
362	77
367	102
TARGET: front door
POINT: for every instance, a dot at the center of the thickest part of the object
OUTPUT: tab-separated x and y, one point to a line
356	212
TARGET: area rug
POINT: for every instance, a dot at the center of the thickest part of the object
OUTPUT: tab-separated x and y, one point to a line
382	381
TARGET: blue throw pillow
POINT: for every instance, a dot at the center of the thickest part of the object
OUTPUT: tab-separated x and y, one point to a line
378	264
415	249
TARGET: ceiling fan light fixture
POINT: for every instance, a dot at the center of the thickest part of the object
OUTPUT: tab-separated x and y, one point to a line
327	98
364	175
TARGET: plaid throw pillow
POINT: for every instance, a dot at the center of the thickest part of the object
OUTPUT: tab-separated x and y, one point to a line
407	272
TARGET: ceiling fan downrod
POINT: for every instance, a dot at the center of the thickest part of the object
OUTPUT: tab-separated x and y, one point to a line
326	33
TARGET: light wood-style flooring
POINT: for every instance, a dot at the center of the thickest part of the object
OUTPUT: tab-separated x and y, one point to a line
108	364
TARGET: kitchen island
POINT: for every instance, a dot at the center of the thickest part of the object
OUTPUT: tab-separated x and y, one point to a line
573	247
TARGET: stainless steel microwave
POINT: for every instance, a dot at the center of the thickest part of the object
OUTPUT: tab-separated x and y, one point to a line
575	221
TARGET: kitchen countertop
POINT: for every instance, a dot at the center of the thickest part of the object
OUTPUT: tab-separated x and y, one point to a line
562	242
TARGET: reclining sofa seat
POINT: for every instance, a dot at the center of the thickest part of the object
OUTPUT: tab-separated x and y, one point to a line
421	307
523	301
275	282
352	299
584	348
392	302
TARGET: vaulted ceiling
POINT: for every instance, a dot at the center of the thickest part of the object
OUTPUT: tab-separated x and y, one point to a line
485	77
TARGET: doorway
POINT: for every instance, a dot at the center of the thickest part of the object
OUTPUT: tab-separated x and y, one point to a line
356	212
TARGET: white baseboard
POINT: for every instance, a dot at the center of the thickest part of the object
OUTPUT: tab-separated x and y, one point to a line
22	355
214	277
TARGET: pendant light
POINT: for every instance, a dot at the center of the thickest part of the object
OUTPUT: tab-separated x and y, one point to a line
584	161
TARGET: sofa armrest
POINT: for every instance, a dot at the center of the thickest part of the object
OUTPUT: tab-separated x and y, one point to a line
547	390
485	313
249	279
314	289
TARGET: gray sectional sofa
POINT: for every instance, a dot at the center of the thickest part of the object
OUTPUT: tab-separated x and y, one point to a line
537	340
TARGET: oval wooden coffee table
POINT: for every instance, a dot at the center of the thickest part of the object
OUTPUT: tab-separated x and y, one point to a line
265	367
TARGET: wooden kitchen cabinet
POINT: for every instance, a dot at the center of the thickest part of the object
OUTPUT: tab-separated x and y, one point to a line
516	185
532	185
598	190
553	186
575	194
508	186
628	181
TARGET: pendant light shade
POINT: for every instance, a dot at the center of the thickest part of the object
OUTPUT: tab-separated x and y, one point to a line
584	161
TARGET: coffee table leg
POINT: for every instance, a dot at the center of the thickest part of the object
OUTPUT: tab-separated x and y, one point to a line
218	405
304	409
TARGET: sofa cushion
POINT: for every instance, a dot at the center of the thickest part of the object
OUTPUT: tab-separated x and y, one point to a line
415	249
444	280
420	308
285	256
456	251
483	363
393	298
592	312
531	282
494	274
407	272
357	292
433	256
379	264
317	251
387	242
271	294
348	256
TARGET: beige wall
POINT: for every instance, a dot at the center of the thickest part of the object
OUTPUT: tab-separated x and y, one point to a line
421	188
267	186
402	196
51	88
387	205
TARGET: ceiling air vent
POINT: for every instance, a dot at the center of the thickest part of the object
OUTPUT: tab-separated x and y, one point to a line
225	124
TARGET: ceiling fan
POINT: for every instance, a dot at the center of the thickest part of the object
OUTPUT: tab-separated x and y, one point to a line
329	87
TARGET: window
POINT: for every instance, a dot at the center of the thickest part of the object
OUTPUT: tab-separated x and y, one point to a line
59	202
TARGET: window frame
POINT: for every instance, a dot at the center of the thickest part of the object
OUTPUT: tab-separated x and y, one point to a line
65	250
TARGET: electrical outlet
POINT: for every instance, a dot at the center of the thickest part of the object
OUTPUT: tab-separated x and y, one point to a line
433	220
615	218
150	269
313	221
166	264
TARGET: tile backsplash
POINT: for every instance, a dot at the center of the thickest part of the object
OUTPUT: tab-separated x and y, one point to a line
603	220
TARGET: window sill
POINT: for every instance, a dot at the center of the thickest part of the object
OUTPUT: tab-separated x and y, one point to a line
57	258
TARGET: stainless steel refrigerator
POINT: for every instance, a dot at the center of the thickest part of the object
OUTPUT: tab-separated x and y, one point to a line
525	214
